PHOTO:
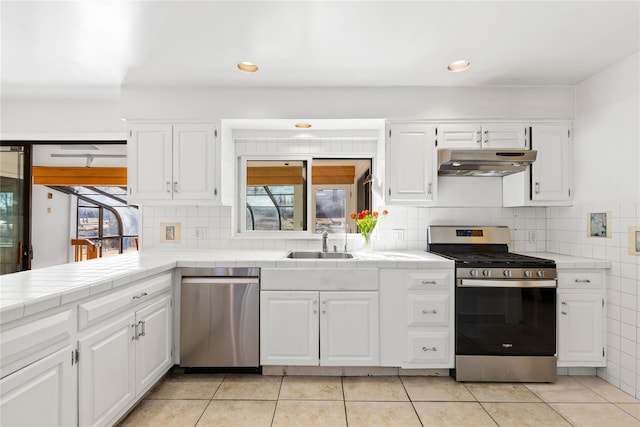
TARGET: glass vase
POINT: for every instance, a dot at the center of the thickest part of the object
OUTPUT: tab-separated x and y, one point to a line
366	247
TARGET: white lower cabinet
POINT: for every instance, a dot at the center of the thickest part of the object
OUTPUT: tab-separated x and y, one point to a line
121	358
42	393
417	318
581	318
310	328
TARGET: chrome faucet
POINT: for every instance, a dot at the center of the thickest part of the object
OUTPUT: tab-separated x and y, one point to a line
325	236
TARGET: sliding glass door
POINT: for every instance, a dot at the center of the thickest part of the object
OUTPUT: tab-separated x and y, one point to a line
15	242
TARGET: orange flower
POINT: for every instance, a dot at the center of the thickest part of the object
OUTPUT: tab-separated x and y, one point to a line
385	212
353	215
360	215
375	214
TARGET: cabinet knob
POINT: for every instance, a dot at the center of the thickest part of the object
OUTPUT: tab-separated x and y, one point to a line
430	311
563	303
429	349
324	311
315	301
564	312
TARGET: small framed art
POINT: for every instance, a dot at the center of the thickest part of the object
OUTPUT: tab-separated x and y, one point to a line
599	224
170	232
634	241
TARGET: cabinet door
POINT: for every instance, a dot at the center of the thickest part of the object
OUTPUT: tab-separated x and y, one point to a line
149	162
551	170
581	329
466	136
507	136
194	162
289	328
107	371
153	345
41	394
410	157
349	329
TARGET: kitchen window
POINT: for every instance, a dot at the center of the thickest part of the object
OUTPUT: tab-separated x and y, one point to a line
278	195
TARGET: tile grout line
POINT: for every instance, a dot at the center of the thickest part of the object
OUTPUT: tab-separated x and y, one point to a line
275	408
411	400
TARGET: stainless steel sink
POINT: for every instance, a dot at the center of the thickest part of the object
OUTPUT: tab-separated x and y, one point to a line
318	255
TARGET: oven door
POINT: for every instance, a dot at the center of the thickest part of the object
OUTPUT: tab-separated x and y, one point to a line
505	317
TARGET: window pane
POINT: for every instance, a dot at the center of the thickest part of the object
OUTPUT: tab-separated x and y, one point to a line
110	246
88	218
110	226
330	210
129	216
129	244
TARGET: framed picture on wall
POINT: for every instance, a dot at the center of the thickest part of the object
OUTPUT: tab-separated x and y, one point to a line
634	241
599	224
170	232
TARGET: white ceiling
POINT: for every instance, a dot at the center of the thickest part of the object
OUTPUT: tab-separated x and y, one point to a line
311	43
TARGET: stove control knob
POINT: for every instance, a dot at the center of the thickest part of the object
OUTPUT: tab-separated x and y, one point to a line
474	273
527	273
540	273
507	273
486	273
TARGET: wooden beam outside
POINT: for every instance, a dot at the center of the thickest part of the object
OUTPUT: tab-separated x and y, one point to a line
55	175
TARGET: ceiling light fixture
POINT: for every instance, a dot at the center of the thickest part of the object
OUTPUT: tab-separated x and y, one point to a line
247	67
303	125
460	65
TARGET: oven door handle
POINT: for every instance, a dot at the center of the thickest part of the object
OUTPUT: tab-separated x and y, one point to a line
475	283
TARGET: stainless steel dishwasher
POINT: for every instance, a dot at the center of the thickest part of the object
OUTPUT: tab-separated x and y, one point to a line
219	318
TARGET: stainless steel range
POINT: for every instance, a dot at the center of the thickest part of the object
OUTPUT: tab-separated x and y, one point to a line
505	306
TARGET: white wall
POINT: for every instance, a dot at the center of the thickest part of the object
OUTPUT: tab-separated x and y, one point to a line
50	227
607	179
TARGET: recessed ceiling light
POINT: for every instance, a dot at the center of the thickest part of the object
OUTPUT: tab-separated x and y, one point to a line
303	125
247	67
460	65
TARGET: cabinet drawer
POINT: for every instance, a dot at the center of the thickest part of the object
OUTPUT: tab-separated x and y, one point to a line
91	311
428	310
26	343
429	280
586	279
428	347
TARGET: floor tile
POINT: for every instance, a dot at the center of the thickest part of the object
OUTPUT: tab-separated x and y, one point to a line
238	413
309	413
436	389
594	414
604	389
166	413
630	408
311	388
501	392
249	387
187	386
374	389
438	414
382	414
524	414
565	389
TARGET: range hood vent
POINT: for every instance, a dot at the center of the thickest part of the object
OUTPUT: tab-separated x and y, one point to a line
483	162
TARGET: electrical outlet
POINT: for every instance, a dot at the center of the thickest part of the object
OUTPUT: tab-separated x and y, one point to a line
532	237
201	233
398	234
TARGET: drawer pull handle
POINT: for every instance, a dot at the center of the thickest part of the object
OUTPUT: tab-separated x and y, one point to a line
142	328
429	349
564	312
563	303
142	295
429	282
434	311
135	332
583	281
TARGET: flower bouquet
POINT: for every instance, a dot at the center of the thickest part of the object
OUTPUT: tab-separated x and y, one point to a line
366	222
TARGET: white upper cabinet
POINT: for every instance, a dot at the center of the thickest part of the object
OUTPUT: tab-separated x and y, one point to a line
411	173
172	162
483	136
547	182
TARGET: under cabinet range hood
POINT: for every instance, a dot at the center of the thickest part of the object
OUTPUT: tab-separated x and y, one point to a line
483	162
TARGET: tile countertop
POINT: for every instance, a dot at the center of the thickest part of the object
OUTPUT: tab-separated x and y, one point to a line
564	262
33	291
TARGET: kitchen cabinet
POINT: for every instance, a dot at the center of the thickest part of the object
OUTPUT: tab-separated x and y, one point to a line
473	136
411	171
42	393
319	328
581	318
547	182
123	355
417	314
172	162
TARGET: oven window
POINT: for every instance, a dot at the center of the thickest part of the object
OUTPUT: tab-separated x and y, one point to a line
506	321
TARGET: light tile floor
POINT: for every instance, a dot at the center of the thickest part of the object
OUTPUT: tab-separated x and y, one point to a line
305	401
